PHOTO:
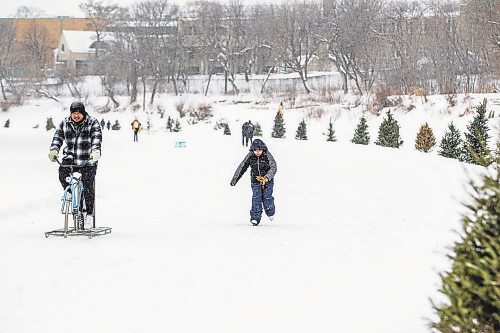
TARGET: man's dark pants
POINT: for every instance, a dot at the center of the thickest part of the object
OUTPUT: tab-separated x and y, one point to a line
248	139
88	176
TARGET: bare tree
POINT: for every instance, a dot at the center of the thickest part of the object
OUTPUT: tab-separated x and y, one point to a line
7	35
102	16
482	19
221	32
156	31
37	45
299	24
350	41
401	35
262	58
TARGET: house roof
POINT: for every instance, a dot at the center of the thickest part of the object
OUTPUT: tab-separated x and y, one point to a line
79	41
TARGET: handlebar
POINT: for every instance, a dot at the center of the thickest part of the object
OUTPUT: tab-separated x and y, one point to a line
72	165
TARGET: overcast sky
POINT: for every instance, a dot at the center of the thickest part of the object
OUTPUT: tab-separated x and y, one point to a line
52	8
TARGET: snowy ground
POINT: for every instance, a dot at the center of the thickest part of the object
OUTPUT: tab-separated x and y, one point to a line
359	238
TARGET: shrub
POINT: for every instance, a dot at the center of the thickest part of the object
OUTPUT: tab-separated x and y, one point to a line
279	129
227	130
451	145
301	131
425	140
179	106
316	113
361	136
388	133
50	124
471	286
330	134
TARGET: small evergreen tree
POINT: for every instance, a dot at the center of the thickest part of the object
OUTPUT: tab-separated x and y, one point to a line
279	127
258	130
227	130
170	124
451	145
116	126
177	127
7	124
388	133
471	287
361	136
476	137
330	134
50	124
301	131
425	140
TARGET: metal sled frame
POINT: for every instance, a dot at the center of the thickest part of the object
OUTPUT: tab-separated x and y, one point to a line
75	231
98	231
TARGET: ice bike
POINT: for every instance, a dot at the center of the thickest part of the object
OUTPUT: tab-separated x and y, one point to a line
72	204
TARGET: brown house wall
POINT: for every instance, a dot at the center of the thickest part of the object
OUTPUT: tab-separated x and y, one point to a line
54	27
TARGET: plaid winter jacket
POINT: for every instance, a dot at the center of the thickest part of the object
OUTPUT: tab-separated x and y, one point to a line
81	139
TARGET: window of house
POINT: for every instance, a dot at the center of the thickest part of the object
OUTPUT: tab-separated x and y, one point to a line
191	52
81	64
62	47
193	70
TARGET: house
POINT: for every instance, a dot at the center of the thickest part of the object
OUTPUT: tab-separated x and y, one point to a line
75	50
45	32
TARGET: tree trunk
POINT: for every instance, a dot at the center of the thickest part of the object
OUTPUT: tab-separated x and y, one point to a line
153	91
304	82
208	84
133	90
144	93
3	89
267	78
235	88
174	82
109	91
225	82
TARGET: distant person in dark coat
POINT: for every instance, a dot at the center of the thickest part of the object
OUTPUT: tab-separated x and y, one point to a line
247	133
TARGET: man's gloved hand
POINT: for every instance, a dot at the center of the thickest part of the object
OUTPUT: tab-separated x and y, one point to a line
262	180
53	154
95	155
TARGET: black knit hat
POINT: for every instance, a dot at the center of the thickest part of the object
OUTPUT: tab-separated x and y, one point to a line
258	144
77	107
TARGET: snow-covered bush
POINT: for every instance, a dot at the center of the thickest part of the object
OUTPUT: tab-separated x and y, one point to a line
200	113
315	112
179	106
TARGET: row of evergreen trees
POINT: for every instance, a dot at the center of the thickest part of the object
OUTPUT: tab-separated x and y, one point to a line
452	145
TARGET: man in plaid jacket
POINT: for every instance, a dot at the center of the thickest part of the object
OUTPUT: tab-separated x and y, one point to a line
83	137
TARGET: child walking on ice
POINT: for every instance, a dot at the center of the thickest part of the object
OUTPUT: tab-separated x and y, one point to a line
263	168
